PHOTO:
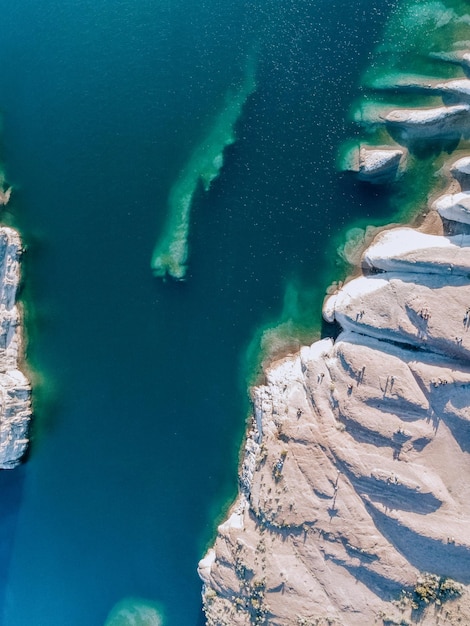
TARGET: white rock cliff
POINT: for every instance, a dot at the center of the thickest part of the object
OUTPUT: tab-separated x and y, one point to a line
15	390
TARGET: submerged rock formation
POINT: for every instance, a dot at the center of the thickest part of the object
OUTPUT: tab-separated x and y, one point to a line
15	390
354	499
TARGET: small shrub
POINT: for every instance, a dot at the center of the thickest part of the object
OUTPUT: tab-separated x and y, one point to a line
433	589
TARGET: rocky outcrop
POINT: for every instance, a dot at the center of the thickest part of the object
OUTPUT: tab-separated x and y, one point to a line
15	390
354	496
374	164
354	493
413	124
5	195
458	57
454	206
460	170
356	472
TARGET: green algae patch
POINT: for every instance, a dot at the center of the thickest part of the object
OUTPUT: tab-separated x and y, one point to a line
135	612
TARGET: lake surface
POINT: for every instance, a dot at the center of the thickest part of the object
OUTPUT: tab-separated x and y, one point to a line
140	384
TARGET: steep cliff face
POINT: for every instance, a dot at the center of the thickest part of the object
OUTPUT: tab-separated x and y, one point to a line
354	489
15	390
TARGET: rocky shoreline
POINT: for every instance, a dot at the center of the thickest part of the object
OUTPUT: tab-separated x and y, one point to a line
354	496
354	485
15	389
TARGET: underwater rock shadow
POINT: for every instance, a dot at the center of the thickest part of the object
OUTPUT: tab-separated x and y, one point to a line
425	148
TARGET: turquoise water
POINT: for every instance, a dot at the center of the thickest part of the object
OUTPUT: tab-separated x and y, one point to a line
170	256
141	391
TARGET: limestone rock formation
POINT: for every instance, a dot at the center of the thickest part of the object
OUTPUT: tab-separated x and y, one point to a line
375	165
354	494
432	122
15	390
459	57
454	206
355	480
460	170
354	499
5	195
409	250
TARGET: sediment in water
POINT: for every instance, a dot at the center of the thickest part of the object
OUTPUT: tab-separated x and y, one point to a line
135	612
170	255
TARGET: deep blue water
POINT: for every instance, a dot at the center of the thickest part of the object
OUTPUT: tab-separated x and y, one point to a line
140	396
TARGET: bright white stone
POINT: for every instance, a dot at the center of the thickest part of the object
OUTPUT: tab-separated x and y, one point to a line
454	206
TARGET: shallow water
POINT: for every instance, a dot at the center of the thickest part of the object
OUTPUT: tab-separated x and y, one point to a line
170	255
141	385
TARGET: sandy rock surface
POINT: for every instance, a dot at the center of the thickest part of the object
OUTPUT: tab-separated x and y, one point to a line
355	480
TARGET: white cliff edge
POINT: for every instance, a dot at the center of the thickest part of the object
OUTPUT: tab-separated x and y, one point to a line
354	486
15	390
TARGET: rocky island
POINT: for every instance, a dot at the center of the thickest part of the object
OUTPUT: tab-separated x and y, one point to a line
15	389
354	498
